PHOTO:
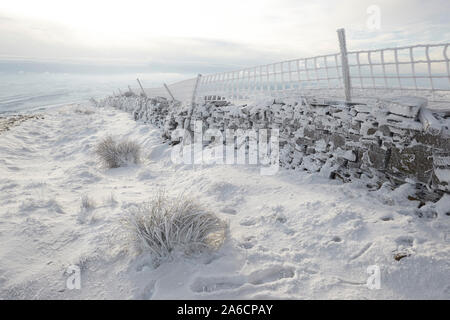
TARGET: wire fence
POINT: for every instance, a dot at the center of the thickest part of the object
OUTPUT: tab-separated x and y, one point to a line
421	70
302	75
181	91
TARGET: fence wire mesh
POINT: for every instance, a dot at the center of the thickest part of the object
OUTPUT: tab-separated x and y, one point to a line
421	70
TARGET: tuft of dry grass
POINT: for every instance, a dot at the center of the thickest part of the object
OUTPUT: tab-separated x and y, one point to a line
164	225
114	154
87	202
86	207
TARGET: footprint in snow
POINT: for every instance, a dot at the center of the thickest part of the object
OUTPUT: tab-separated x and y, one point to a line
248	242
223	191
336	239
145	175
229	210
271	274
248	221
256	278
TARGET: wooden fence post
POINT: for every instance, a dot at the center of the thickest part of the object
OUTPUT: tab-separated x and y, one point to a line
344	62
194	92
140	85
170	93
191	111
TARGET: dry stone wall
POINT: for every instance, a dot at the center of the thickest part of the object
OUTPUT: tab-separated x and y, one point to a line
397	140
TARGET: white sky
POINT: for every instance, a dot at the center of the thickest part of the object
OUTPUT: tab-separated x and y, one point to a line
227	33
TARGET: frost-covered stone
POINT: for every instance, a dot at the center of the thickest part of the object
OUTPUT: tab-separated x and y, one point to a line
406	106
349	155
403	123
429	122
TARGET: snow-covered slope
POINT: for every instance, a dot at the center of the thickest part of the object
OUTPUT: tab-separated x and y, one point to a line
293	235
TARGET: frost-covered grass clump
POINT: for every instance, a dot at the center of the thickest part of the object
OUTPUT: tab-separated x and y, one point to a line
114	154
165	225
87	203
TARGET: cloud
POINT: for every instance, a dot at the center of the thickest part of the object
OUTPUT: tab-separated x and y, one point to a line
208	36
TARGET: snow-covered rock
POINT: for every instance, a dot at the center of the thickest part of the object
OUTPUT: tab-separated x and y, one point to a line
406	106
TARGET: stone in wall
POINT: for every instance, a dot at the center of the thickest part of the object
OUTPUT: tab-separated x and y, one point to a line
408	107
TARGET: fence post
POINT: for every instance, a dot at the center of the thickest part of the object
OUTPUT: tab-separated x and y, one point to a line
344	62
140	85
170	93
194	93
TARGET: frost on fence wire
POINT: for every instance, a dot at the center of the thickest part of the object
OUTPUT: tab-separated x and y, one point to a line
423	69
156	92
303	76
182	90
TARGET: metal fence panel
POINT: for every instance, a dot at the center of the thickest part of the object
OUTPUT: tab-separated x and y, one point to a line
422	70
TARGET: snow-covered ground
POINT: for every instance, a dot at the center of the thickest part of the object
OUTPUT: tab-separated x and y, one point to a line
294	235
